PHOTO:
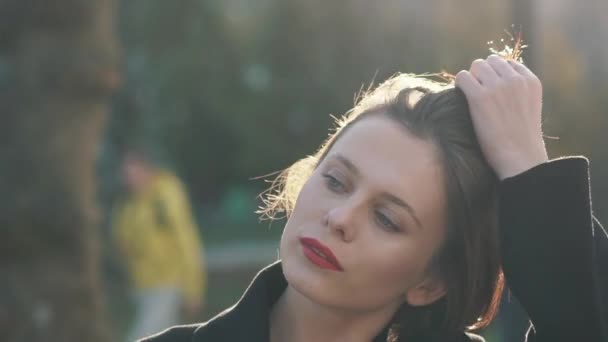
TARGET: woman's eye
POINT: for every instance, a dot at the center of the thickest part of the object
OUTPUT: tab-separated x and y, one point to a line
385	222
333	183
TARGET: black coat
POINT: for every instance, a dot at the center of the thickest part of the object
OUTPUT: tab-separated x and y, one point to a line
555	259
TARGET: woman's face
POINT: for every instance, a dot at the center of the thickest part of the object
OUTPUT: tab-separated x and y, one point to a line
377	202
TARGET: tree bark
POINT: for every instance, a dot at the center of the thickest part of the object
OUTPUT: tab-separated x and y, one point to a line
61	65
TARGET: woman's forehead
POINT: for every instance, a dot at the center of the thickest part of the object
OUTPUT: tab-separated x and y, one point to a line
382	144
386	156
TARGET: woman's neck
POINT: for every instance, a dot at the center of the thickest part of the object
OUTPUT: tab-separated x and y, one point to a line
296	318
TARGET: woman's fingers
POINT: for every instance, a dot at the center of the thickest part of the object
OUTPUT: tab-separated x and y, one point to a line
532	81
469	84
502	67
505	103
484	73
521	69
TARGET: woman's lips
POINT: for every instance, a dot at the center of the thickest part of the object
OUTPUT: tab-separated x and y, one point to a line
319	254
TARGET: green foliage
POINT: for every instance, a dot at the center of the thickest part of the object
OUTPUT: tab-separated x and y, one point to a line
231	90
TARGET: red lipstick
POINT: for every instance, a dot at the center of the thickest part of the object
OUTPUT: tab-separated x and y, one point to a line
319	254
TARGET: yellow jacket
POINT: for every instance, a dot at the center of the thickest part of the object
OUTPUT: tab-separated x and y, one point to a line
156	233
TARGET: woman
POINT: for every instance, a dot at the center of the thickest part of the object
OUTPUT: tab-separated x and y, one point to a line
395	224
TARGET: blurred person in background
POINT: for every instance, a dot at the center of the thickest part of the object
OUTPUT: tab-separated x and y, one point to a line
401	224
156	233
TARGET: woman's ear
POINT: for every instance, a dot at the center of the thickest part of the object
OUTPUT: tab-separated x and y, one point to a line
427	292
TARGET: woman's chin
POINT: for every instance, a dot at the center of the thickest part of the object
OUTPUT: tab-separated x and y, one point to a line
310	281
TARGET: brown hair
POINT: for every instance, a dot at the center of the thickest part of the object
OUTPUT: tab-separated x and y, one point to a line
468	261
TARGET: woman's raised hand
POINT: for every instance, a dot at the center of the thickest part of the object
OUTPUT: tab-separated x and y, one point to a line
505	101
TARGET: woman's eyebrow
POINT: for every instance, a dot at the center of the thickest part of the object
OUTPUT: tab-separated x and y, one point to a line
388	196
346	162
398	201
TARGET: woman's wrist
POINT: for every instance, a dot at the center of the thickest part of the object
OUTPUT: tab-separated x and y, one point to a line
515	166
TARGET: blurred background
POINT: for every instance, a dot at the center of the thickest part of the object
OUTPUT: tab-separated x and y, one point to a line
196	100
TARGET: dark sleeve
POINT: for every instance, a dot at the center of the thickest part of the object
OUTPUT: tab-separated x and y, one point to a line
554	252
182	333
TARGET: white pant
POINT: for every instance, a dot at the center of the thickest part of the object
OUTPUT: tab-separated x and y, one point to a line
155	310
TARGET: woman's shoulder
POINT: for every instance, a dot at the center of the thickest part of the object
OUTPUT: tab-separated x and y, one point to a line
247	320
180	333
474	338
185	333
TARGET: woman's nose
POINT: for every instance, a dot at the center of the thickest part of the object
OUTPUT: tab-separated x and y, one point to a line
341	220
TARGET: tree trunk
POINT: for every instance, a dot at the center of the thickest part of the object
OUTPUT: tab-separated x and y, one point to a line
59	62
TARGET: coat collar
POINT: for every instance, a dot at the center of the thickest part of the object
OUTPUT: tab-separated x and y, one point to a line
248	319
